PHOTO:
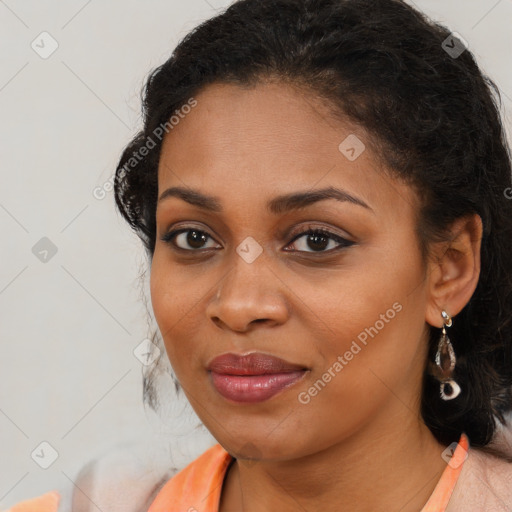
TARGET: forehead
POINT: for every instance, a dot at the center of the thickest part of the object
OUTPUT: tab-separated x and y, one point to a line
273	137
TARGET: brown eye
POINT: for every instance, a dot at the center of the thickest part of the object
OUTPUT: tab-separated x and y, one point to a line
319	239
194	238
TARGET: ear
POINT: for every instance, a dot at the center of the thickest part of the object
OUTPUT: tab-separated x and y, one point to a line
454	269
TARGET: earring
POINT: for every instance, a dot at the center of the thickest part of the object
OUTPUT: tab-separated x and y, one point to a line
445	363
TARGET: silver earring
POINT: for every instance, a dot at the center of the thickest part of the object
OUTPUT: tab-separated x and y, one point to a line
445	363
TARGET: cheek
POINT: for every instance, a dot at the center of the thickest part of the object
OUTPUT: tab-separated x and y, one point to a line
343	303
175	297
167	303
372	315
161	288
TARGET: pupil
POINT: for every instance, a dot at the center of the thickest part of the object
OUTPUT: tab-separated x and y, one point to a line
314	238
196	239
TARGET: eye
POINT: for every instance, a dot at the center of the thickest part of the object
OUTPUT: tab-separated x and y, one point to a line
319	239
195	238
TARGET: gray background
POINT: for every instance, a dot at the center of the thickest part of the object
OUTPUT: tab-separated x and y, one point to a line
69	325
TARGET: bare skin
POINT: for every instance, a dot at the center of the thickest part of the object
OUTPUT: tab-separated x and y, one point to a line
359	444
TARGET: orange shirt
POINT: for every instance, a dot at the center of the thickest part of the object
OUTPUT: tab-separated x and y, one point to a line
48	502
197	488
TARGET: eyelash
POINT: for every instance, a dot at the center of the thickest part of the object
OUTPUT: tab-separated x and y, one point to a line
168	238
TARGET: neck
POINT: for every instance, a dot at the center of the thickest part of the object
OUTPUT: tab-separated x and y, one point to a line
373	470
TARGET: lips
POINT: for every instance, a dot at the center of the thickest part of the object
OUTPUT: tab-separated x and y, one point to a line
251	364
253	377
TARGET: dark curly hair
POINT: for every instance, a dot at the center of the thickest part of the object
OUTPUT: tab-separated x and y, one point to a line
434	120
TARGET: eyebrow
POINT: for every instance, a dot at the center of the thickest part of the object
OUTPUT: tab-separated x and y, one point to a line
279	204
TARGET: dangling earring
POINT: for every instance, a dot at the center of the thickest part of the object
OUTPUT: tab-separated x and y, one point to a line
445	363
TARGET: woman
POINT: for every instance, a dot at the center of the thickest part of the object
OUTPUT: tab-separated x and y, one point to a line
323	188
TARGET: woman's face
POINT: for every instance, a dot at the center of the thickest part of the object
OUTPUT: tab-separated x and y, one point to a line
349	312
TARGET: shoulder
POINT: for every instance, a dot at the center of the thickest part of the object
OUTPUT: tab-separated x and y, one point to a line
48	502
485	484
125	479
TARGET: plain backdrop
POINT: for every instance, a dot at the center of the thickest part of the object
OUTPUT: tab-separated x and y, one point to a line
71	312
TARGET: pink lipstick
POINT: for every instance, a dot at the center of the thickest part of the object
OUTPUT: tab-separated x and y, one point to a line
253	377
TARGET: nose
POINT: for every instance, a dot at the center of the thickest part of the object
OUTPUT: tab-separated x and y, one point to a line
249	294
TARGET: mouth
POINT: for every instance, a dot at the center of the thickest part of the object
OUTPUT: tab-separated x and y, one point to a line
253	377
